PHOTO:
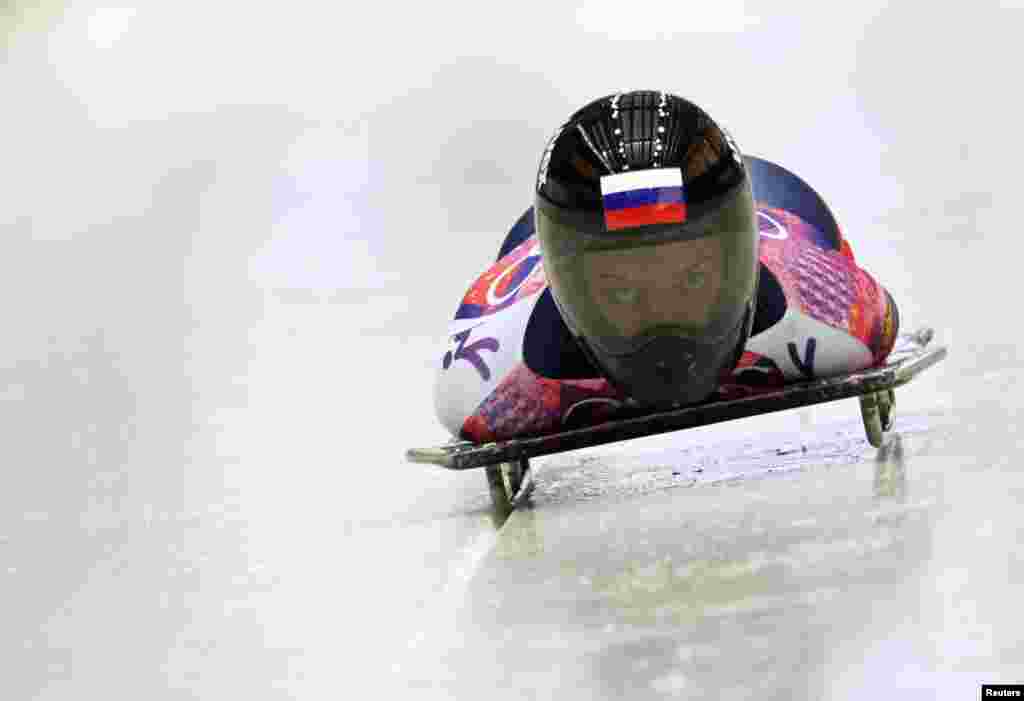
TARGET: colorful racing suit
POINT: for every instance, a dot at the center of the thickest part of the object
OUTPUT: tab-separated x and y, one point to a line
514	370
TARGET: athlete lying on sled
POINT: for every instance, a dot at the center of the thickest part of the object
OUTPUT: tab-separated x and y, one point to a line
674	271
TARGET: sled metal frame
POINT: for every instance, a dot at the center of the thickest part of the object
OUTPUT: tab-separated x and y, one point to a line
508	462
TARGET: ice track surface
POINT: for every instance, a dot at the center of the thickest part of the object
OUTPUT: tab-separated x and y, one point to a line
226	269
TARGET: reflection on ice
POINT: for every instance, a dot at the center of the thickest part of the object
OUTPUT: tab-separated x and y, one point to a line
679	585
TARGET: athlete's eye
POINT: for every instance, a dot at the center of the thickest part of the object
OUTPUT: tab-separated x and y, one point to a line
695	279
621	295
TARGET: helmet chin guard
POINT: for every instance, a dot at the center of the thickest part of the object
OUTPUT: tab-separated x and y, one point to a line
646	219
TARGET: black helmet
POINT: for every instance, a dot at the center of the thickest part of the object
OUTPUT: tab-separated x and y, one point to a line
646	221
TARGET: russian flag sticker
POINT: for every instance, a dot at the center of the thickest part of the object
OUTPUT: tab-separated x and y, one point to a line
641	197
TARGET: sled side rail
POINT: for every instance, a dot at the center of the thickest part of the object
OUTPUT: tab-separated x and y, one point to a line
464	455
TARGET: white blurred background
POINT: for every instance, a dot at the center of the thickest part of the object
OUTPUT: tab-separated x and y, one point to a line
233	233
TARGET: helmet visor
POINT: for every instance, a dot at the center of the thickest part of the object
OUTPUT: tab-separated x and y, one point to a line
690	281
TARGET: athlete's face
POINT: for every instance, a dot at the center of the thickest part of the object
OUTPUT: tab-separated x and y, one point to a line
647	286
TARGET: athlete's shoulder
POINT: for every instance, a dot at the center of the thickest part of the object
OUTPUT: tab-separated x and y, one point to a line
513	277
787	202
813	296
